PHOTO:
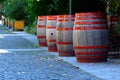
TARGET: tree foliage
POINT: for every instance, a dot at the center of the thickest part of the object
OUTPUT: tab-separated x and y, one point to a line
113	7
88	6
30	9
56	7
47	7
14	9
1	1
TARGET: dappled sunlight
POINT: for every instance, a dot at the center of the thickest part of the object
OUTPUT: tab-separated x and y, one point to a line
0	22
1	36
3	51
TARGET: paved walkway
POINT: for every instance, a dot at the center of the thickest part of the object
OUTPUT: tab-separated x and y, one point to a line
109	70
22	59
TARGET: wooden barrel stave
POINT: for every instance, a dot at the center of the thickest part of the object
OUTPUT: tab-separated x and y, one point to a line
41	31
92	39
51	33
64	32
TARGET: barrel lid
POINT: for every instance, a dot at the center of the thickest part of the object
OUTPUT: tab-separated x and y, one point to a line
66	16
90	13
52	17
42	17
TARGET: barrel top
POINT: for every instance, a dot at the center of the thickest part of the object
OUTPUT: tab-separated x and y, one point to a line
66	16
90	13
52	17
114	18
42	17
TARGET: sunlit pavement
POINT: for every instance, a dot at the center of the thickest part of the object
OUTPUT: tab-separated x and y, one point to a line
109	70
1	23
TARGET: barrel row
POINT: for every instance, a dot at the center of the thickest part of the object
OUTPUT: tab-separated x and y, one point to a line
84	35
17	25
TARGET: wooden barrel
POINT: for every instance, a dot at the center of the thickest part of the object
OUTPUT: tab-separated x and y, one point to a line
114	19
113	23
41	30
10	24
90	37
6	22
108	20
51	33
19	25
64	35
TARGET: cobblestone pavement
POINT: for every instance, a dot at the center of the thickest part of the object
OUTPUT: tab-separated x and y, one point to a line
35	64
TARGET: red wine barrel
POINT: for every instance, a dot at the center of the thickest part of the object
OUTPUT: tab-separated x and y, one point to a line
113	23
51	33
90	37
41	30
114	19
108	21
64	35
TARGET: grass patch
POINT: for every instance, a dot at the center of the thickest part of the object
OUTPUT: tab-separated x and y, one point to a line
31	28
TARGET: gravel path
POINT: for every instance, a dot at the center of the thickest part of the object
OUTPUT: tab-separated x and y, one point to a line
15	42
34	64
38	65
4	30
